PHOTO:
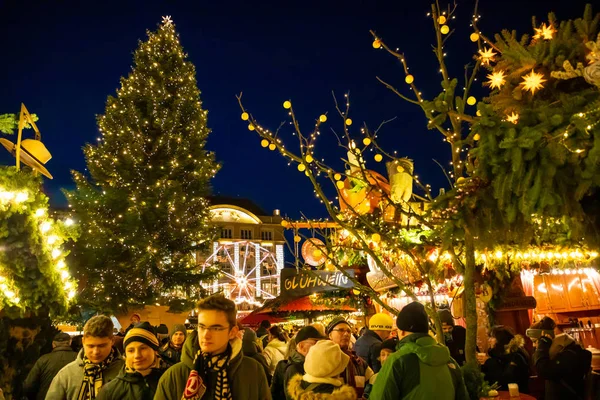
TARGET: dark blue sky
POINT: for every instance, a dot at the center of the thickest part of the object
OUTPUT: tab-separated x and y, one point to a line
62	59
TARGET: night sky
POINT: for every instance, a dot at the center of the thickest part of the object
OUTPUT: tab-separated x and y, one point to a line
62	59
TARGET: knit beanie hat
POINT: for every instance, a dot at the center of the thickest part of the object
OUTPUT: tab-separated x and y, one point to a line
381	322
413	318
390	344
335	322
446	316
178	328
142	332
325	360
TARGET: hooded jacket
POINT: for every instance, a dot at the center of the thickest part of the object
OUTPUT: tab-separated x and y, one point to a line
565	373
246	376
509	366
250	348
131	386
368	347
420	369
298	390
67	383
45	369
274	352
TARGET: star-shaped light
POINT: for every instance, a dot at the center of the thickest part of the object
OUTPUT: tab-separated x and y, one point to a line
533	81
486	56
496	79
167	20
544	32
513	117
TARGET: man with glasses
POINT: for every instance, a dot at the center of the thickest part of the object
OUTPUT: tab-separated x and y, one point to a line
357	373
212	363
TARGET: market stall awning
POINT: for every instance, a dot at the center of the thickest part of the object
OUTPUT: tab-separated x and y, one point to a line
302	304
256	319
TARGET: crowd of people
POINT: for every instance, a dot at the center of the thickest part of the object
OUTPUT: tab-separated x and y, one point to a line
222	360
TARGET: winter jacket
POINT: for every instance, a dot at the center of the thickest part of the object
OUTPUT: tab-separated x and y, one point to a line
169	354
263	335
456	344
251	348
45	369
420	369
509	366
284	371
67	383
274	352
131	386
368	347
246	377
302	390
357	369
565	373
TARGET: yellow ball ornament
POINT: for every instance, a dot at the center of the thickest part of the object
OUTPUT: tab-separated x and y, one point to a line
337	176
471	101
301	167
378	157
409	79
441	20
474	37
323	118
366	141
376	43
309	159
264	143
445	29
340	184
376	237
250	127
297	239
245	116
348	121
287	104
460	180
478	113
272	146
476	137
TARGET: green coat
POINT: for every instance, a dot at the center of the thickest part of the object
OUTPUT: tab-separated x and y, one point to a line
246	376
128	386
420	369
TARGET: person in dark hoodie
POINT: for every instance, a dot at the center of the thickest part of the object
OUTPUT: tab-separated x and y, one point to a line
323	365
47	366
212	363
139	377
171	351
420	368
251	348
561	361
454	336
263	332
507	360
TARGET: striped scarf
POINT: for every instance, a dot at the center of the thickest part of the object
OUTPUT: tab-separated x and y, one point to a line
204	364
92	377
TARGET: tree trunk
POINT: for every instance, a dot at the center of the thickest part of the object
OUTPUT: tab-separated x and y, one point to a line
470	301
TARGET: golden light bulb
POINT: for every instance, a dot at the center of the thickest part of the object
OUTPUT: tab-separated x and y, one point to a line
376	237
474	37
245	116
366	141
323	118
348	121
297	239
378	157
287	104
272	146
301	167
264	143
339	184
441	20
476	137
309	158
250	127
337	176
409	79
445	29
471	101
376	43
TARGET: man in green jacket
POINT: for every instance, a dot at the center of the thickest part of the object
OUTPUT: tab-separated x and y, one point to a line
212	363
420	369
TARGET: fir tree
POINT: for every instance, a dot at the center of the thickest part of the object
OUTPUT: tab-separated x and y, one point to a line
143	211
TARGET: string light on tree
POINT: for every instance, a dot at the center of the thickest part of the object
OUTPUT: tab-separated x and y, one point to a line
471	101
287	104
474	37
323	118
378	157
245	116
264	143
409	79
376	43
445	29
348	121
272	146
533	81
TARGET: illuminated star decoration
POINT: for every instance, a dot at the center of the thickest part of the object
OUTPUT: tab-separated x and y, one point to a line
496	79
533	82
513	117
544	32
167	20
486	56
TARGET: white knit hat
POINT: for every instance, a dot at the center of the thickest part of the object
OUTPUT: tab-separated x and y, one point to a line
325	360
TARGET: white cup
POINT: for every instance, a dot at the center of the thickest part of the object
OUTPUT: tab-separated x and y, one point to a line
513	390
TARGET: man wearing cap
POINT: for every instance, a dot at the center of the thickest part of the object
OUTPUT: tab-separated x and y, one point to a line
357	373
171	352
420	368
306	338
96	364
139	377
47	366
454	336
368	345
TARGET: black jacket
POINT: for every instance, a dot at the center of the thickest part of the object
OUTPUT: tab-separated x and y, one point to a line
131	386
456	344
368	347
509	366
284	371
45	369
566	372
169	354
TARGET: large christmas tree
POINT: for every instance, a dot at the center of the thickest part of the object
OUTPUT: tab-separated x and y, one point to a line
143	210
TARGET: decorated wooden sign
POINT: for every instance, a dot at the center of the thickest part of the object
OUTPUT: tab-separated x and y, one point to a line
305	282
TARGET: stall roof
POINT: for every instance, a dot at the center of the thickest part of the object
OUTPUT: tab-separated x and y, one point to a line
253	319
